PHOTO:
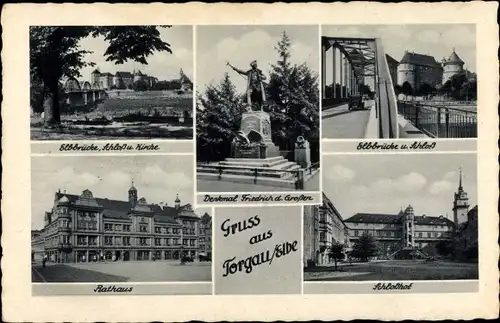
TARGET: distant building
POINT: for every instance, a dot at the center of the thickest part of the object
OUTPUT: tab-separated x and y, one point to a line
393	68
83	228
186	84
206	235
121	80
323	226
452	66
418	69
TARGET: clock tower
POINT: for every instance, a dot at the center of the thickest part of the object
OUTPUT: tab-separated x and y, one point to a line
460	204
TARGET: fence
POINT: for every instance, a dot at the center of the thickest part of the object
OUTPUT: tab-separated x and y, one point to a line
440	121
298	176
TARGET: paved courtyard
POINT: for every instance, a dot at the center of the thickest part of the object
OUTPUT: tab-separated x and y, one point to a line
394	270
130	271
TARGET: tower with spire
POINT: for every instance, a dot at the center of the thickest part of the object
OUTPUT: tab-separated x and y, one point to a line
460	204
177	202
132	194
452	66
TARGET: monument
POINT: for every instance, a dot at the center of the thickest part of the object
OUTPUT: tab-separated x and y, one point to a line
254	158
255	123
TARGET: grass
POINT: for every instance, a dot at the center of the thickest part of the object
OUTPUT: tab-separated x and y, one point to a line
399	270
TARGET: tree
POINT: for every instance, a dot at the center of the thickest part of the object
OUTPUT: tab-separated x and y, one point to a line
425	89
407	89
398	90
218	118
55	53
293	99
336	251
365	247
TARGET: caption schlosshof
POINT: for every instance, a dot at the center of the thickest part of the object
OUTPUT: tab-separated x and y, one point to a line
252	198
247	264
109	147
416	145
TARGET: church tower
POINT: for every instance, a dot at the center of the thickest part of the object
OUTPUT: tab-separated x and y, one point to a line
460	204
132	194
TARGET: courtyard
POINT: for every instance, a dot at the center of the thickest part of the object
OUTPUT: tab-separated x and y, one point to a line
393	270
130	271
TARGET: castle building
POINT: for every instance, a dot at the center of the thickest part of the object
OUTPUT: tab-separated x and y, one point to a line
396	235
121	80
454	65
417	69
83	228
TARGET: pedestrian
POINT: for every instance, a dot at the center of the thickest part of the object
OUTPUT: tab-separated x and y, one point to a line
44	260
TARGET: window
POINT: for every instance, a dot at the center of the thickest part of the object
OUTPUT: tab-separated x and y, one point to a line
81	240
118	227
126	241
143	228
118	241
167	230
356	233
108	227
126	227
143	241
192	242
157	242
420	234
184	242
167	241
175	241
92	241
428	234
108	241
157	230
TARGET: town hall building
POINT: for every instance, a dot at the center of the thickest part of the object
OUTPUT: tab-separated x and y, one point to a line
85	228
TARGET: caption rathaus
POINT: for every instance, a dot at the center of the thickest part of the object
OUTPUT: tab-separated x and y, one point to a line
83	228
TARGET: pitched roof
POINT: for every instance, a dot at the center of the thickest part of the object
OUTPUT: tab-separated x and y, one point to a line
454	59
374	218
124	74
116	209
397	218
418	59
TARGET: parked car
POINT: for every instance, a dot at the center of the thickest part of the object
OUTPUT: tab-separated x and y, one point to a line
356	103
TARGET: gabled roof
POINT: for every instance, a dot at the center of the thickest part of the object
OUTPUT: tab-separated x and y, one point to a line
418	59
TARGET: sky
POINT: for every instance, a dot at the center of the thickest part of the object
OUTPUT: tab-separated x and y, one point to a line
156	178
163	65
240	45
389	183
434	40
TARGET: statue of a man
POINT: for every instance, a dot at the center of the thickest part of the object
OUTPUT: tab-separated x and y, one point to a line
255	86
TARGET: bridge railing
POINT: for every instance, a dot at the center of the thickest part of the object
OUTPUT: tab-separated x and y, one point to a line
440	121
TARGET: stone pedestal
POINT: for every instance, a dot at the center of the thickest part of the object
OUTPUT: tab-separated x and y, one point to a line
302	153
256	126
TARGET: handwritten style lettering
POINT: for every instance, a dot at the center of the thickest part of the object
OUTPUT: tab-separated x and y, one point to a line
261	237
112	289
392	286
240	226
231	266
